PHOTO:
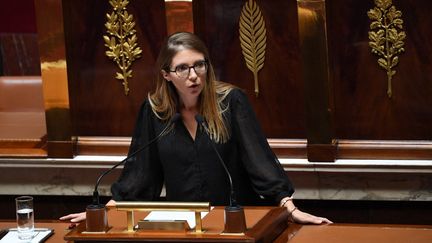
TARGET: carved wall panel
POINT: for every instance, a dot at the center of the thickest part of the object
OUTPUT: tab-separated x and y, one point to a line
357	84
363	109
280	103
98	104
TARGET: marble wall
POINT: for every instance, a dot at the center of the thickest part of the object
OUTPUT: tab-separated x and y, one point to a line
405	180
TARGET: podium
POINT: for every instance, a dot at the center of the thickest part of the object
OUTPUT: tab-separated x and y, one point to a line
356	233
264	224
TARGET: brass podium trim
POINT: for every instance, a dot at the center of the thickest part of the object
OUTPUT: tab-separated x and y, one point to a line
196	207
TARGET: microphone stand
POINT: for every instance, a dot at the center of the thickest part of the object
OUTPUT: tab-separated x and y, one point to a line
96	218
235	221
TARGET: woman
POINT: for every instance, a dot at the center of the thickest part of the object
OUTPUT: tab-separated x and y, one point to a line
183	159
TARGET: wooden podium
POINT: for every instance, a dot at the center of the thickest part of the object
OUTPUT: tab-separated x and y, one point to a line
264	224
356	233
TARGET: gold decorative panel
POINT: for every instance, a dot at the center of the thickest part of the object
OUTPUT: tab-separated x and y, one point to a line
386	37
253	39
121	40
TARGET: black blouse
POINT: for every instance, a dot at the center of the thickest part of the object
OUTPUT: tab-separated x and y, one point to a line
190	169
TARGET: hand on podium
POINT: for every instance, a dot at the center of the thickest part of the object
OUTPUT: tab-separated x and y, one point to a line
306	218
76	218
298	216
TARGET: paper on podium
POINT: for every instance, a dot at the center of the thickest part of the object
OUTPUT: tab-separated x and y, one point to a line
170	215
40	235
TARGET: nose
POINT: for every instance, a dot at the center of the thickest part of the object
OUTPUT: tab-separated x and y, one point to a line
192	73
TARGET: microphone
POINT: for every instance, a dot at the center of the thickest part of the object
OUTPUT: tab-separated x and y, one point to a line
173	120
93	223
232	201
234	215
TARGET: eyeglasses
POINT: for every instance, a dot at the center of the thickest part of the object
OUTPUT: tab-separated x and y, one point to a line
183	70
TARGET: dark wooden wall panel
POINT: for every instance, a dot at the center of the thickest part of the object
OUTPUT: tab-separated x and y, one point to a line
280	105
98	104
179	16
362	108
18	40
17	16
19	55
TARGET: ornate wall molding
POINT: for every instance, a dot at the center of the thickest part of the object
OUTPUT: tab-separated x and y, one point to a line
121	41
386	37
253	39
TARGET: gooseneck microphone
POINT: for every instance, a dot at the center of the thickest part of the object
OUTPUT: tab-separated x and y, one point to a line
235	221
173	120
96	218
232	201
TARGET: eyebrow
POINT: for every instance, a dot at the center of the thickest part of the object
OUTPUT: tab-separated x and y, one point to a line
181	64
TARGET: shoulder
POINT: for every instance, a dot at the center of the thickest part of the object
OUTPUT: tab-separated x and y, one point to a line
237	98
145	111
237	94
145	106
237	103
229	93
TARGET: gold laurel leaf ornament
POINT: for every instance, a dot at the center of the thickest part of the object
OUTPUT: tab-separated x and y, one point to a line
121	41
386	37
253	39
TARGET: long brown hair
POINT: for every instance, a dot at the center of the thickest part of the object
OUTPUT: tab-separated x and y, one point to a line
164	100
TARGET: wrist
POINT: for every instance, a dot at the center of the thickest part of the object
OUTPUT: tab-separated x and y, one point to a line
290	214
284	202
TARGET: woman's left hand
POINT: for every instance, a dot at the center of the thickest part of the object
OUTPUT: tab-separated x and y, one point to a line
298	216
305	218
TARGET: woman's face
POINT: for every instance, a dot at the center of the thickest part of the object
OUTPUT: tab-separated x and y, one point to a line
188	72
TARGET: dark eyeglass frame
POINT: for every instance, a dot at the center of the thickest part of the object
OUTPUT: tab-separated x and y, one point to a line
176	71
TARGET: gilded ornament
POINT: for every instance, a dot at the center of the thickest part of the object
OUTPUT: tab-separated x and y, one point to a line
253	39
386	37
121	41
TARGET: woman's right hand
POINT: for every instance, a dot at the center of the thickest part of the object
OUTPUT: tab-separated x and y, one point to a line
74	218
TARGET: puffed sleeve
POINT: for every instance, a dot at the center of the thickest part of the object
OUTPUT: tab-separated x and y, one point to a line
141	178
264	169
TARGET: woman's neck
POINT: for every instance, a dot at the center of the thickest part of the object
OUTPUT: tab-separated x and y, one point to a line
188	114
189	105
